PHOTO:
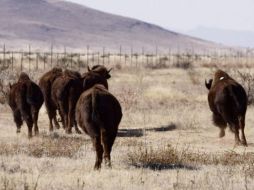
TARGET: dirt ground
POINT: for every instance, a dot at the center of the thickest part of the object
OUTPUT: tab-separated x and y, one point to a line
161	108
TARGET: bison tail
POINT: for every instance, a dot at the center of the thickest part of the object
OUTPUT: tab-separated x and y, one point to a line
65	90
34	95
95	114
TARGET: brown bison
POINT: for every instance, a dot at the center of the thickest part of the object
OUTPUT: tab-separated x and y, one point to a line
25	99
65	92
99	113
45	84
228	101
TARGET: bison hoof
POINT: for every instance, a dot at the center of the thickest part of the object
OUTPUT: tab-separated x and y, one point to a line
222	133
68	132
78	131
244	143
18	131
97	167
57	126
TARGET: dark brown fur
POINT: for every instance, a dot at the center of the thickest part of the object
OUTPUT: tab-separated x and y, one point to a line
228	101
25	99
101	70
99	113
45	84
66	90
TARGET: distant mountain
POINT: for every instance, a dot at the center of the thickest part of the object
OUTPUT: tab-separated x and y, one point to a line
227	37
44	22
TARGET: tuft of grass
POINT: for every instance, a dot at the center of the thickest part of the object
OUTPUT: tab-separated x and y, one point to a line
48	146
173	158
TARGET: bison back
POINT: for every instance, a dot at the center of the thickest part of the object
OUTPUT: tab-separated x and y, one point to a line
106	110
232	100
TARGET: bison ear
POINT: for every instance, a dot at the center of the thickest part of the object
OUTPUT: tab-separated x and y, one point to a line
208	84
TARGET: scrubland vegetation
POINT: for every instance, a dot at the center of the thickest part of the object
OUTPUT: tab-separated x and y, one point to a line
166	139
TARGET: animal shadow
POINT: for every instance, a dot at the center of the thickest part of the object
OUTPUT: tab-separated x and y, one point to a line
165	128
130	133
160	166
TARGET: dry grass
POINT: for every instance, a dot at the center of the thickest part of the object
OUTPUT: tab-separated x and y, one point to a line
172	158
166	139
44	146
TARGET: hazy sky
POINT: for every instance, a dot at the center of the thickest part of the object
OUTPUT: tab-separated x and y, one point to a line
183	15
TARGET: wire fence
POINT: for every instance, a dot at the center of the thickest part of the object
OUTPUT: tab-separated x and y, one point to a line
38	60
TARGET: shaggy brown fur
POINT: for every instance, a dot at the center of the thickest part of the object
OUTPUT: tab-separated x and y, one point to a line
25	99
45	84
66	90
99	113
228	101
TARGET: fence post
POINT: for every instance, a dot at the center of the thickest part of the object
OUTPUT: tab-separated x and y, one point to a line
57	59
21	62
4	55
29	61
131	54
87	55
98	60
51	56
120	54
12	59
103	55
142	56
44	61
79	61
37	59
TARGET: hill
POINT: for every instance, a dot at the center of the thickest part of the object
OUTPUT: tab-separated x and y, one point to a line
44	22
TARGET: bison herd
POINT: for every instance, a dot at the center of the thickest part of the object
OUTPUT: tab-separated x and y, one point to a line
83	100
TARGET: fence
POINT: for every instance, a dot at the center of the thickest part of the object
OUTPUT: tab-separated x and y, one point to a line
35	60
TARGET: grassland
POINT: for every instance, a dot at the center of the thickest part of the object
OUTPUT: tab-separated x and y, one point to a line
166	139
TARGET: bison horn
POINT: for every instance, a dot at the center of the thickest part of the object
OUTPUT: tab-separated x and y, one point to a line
10	85
110	70
88	68
208	84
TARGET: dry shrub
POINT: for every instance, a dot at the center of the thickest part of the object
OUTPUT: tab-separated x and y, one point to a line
182	64
128	98
170	158
247	80
49	146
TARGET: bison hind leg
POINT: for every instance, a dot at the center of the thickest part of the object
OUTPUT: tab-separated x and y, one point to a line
99	152
221	123
242	126
35	113
107	139
18	119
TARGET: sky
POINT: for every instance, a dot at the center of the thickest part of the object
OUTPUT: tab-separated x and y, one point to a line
183	14
194	17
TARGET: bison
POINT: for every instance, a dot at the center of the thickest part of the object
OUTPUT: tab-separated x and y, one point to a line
228	101
99	113
65	92
45	84
25	99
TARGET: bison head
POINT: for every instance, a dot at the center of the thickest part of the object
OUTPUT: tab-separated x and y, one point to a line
102	70
92	78
23	77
